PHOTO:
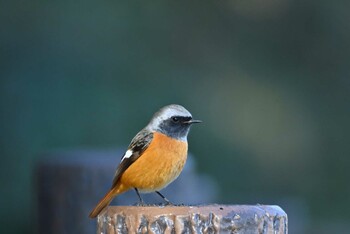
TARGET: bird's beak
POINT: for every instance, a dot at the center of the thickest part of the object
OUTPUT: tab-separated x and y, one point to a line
192	121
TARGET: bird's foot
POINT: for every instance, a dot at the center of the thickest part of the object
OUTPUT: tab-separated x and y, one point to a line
140	204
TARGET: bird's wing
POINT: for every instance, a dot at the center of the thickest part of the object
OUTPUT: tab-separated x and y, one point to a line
137	146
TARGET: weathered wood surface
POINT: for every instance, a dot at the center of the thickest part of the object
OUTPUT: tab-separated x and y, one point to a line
259	219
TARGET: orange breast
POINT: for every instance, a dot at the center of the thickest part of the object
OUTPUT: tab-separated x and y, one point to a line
159	165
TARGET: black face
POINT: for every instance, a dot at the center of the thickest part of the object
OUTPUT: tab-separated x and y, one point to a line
176	127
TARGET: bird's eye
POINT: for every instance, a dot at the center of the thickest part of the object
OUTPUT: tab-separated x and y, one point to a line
175	119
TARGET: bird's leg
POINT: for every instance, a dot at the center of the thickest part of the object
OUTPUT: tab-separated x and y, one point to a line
164	198
141	203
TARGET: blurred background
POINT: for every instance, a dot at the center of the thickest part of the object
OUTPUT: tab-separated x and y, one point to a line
270	79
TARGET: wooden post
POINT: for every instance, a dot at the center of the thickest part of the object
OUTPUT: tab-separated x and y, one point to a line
259	219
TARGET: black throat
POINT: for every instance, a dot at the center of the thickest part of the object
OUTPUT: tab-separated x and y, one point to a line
177	130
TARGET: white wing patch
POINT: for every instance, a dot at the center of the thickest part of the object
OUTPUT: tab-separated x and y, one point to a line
127	154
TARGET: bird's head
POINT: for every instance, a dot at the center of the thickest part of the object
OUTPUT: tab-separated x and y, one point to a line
172	120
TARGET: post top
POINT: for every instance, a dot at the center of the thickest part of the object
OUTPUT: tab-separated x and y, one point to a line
212	218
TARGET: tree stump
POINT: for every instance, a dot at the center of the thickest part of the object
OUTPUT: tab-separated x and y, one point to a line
259	219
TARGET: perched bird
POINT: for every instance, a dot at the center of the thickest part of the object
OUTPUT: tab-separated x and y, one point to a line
155	156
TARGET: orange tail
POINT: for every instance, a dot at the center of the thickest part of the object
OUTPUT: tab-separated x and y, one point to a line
106	200
102	204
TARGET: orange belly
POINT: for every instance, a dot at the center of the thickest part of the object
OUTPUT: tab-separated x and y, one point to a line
160	164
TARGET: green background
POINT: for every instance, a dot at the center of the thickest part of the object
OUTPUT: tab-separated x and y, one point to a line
270	79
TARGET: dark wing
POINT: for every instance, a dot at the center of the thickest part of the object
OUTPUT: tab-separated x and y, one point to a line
138	144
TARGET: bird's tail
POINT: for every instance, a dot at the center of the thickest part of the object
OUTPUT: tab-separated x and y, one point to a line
105	201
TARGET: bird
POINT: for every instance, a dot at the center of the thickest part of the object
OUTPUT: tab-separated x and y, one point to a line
154	158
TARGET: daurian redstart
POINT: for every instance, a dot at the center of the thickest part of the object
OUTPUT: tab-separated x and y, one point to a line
155	156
